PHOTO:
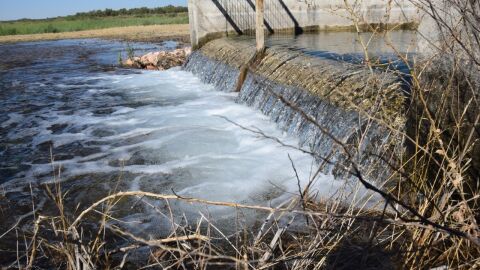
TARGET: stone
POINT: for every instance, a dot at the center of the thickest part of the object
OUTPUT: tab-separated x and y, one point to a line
128	62
150	58
133	63
187	50
161	60
151	67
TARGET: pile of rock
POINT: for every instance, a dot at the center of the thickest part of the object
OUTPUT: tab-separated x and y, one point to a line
162	60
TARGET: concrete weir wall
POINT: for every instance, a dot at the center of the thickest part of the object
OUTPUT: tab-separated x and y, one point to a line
348	102
213	18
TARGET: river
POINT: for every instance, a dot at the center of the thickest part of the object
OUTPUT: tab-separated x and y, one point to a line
69	115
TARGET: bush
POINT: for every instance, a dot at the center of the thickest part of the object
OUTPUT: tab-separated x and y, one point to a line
50	29
8	31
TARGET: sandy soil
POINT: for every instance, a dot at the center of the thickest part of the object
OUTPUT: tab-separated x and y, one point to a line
150	33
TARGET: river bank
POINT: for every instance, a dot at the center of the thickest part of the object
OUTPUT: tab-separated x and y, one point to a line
149	33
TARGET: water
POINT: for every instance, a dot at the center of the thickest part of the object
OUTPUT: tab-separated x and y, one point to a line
347	43
375	141
383	48
110	129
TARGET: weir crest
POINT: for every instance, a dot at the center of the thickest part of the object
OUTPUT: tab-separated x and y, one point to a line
321	101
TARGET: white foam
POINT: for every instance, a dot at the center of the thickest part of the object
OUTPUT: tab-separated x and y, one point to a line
177	128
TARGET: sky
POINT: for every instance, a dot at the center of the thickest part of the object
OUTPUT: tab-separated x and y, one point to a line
38	9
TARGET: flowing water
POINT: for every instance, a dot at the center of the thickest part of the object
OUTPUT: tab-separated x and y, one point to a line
345	125
69	115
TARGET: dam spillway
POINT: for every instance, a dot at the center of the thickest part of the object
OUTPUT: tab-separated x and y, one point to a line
320	100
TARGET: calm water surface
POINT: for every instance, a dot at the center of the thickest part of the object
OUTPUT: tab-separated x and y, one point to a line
385	49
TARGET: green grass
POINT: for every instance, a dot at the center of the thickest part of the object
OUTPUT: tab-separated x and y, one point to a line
66	24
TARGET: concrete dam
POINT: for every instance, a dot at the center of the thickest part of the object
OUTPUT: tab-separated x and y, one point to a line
214	18
334	106
298	91
383	93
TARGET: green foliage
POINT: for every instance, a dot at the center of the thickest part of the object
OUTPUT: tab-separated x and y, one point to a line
50	29
132	12
120	59
130	51
7	31
97	20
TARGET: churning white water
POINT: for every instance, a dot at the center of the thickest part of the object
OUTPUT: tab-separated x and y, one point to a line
109	129
226	162
182	131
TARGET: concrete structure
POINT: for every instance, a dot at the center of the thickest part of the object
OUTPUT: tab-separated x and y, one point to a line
341	96
215	18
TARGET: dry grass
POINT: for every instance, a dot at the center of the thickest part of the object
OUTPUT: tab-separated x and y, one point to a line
133	33
84	240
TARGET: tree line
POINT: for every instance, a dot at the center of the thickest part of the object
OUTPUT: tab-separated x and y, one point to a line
132	12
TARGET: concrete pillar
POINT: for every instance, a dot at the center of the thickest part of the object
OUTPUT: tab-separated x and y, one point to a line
259	25
192	17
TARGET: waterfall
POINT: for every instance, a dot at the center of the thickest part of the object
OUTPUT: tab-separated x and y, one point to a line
217	73
367	139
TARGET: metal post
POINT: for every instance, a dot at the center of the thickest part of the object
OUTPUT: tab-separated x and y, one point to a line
259	26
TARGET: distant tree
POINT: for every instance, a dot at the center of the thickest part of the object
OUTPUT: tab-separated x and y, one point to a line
129	12
108	12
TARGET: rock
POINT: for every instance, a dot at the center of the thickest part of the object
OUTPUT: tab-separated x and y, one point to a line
187	50
133	63
150	58
151	67
162	60
128	62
